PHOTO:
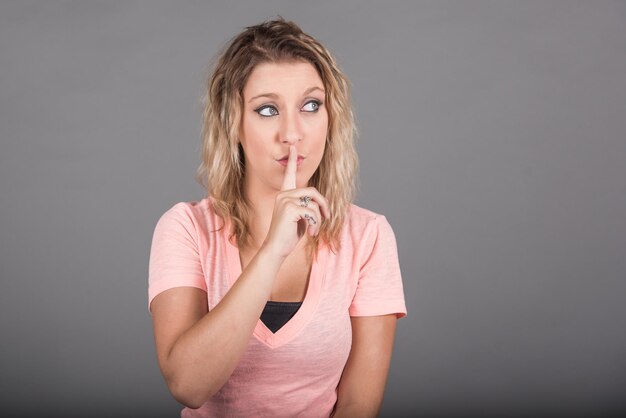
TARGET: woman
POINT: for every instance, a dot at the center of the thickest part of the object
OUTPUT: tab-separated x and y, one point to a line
275	295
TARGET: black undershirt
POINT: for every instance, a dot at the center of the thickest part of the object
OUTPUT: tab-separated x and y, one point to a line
277	314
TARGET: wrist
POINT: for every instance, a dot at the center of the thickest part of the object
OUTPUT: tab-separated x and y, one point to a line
270	254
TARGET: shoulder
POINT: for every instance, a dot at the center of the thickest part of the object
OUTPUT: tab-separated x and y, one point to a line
360	214
197	215
193	207
365	224
360	217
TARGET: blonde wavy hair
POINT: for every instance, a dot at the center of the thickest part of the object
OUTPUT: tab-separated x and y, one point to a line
222	169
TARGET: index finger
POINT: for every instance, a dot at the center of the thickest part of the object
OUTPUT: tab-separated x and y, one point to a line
289	181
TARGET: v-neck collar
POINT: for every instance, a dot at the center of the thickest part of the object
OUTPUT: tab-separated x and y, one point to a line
309	305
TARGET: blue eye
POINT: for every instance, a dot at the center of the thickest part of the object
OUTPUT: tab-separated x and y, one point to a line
262	108
317	104
267	111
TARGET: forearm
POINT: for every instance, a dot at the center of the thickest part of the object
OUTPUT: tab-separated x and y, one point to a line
356	410
204	357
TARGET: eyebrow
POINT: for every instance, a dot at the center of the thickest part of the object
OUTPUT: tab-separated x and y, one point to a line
275	96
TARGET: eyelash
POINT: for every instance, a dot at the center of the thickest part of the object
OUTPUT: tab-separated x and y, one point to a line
317	102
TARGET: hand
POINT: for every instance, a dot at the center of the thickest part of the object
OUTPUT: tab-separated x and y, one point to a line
284	233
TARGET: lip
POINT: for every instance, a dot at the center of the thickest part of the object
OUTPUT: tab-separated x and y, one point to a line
286	157
284	162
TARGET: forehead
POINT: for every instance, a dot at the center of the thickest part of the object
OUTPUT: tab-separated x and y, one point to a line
282	78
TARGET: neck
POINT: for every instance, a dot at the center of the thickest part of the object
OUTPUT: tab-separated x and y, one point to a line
262	198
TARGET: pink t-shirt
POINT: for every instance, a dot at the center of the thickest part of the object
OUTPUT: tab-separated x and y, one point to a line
295	371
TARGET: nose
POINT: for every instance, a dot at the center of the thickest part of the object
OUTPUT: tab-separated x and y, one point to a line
290	129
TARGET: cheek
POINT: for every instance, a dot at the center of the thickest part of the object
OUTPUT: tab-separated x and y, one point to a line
323	131
319	140
319	126
255	134
249	129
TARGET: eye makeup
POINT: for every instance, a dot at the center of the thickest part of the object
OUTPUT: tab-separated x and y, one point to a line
274	111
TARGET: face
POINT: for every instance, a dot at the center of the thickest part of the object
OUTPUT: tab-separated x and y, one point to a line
283	105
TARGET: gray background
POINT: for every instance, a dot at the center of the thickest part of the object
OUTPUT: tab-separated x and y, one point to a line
492	138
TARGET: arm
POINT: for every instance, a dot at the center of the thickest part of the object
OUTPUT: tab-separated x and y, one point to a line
198	350
362	385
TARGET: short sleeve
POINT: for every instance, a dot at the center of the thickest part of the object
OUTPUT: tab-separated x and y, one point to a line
379	289
174	253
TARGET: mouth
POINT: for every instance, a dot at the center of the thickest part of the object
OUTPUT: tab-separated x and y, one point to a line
285	161
286	158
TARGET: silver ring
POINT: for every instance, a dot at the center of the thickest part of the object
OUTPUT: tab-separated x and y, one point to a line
304	201
310	218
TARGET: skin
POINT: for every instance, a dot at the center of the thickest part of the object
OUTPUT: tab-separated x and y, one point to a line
291	131
289	118
198	349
